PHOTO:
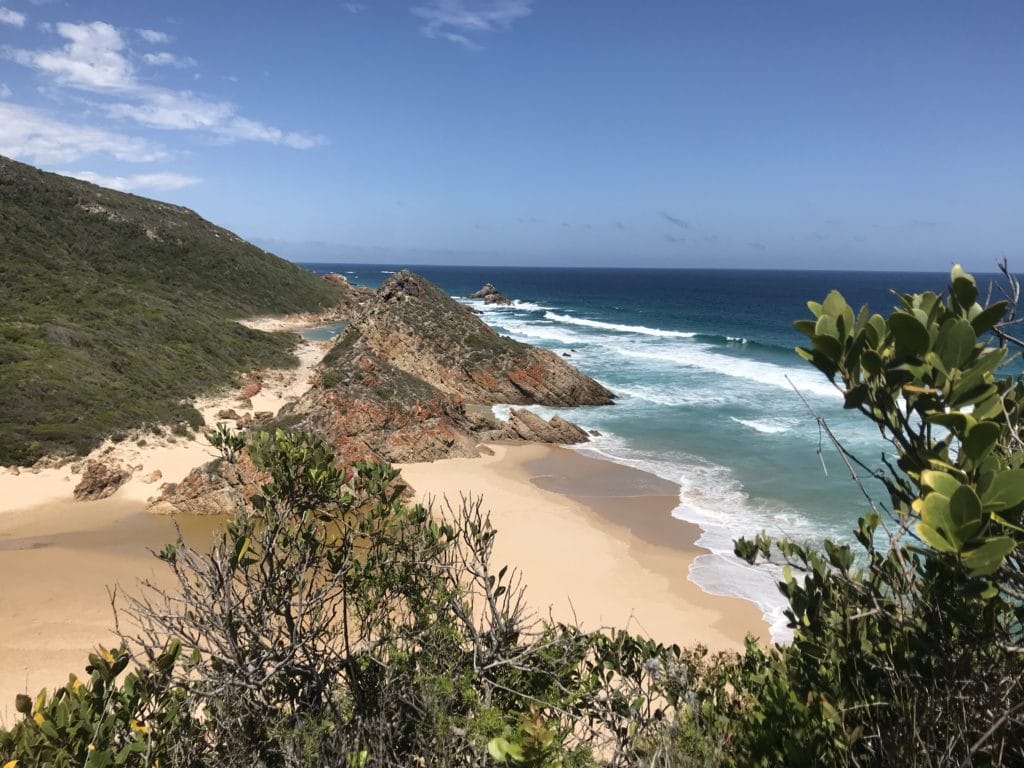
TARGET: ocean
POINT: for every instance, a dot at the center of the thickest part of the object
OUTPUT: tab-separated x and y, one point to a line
703	367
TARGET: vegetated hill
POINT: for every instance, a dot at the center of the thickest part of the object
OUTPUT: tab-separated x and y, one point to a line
115	310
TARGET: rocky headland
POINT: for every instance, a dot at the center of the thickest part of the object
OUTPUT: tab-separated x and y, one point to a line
418	328
395	386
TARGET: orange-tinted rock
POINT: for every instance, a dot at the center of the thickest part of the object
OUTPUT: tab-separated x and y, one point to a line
421	330
101	480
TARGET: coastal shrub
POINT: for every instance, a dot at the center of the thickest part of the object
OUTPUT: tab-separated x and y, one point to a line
908	652
104	720
337	625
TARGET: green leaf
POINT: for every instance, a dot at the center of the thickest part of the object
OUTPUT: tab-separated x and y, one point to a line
934	509
1005	491
986	558
934	538
941	482
965	291
806	327
871	362
981	440
836	306
955	421
988	317
955	342
826	326
965	515
910	334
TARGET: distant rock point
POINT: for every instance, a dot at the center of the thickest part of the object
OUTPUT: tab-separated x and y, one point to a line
490	295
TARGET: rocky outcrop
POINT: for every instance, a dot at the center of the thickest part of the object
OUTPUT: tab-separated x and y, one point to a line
415	326
526	425
367	408
353	297
101	480
217	488
490	295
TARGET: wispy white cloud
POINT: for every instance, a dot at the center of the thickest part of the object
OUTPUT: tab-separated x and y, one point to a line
457	20
137	182
92	58
168	59
32	135
15	19
154	36
354	7
4	91
95	58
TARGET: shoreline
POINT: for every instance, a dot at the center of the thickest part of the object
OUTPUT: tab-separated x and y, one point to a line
595	540
616	559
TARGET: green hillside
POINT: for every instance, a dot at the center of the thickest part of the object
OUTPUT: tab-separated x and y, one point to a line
115	310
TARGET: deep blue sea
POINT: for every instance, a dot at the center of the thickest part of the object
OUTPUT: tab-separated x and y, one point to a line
703	365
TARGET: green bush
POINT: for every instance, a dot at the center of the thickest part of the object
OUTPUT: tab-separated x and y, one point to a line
908	653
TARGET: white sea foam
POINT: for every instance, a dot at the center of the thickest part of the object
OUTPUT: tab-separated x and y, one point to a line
534	330
675	395
766	426
713	501
701	356
618	327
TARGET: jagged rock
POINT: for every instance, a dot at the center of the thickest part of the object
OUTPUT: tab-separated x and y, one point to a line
217	488
245	404
367	408
153	476
250	390
490	295
14	471
595	433
228	413
262	417
337	279
526	425
418	328
101	480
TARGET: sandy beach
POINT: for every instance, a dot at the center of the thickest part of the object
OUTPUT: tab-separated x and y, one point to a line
595	541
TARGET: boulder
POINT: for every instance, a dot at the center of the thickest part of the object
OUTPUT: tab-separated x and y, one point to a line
490	295
526	425
153	476
228	413
217	488
101	480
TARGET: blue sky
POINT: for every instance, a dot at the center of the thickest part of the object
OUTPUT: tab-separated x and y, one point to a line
646	133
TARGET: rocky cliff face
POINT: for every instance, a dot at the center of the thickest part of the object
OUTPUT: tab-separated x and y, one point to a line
369	409
419	329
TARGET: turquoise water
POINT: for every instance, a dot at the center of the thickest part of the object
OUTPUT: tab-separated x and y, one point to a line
703	366
322	332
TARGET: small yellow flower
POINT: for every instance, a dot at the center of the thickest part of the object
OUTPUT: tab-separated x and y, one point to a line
38	717
91	748
11	764
139	727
